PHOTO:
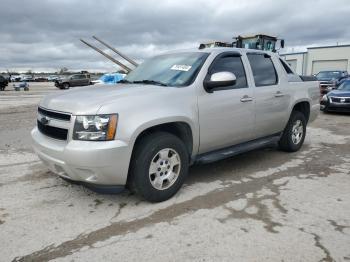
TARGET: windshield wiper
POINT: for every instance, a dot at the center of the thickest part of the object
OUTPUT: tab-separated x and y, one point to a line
150	82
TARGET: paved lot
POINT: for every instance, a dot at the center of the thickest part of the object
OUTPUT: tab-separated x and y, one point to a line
264	205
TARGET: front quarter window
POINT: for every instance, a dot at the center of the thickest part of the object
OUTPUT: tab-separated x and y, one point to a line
178	69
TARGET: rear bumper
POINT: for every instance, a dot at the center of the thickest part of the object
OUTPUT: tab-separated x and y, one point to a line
94	163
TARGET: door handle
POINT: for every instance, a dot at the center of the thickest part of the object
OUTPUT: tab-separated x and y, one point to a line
279	94
246	99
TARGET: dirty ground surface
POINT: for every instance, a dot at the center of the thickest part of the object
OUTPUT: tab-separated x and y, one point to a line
264	205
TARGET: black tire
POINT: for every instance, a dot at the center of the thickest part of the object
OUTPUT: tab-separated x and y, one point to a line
286	142
65	86
139	180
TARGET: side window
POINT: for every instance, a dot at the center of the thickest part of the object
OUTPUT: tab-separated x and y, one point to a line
263	69
74	77
287	69
230	63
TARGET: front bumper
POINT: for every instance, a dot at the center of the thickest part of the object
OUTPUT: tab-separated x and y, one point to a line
90	162
335	107
58	83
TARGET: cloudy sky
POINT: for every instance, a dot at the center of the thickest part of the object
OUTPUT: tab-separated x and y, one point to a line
44	34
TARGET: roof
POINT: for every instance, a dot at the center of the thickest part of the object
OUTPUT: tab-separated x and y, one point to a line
217	50
330	46
296	53
258	35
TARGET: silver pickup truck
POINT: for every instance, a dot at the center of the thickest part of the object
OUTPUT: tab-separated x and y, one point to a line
174	110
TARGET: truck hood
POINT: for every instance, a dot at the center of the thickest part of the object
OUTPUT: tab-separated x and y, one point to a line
88	100
339	93
326	79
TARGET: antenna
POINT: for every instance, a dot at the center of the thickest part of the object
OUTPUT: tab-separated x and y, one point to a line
107	56
116	51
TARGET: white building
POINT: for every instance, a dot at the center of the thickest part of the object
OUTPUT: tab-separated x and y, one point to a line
318	59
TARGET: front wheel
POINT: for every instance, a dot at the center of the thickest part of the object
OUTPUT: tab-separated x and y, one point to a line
65	86
294	133
159	167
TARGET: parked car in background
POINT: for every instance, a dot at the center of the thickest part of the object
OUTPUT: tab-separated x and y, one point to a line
337	100
330	80
40	79
15	78
53	78
3	83
173	110
73	80
27	78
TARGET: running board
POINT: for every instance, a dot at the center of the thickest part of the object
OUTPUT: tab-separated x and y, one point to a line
237	149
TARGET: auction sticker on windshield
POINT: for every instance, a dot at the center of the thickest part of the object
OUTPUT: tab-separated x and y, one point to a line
181	67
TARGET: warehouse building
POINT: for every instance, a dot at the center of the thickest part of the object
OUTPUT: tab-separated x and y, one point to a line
318	59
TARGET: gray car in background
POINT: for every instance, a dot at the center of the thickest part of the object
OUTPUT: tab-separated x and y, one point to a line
73	80
174	110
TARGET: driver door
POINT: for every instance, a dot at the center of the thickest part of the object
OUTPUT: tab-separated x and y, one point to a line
226	115
74	80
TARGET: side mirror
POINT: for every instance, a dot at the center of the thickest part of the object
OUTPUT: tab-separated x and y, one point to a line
220	79
282	43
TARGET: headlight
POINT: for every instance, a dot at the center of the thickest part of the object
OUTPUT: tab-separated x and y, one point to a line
324	98
95	128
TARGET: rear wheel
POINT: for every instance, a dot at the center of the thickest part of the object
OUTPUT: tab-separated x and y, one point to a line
159	167
294	133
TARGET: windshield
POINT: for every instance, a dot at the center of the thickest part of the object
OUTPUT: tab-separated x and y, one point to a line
328	74
345	86
178	69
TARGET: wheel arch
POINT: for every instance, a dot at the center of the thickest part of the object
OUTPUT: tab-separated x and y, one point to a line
304	107
180	129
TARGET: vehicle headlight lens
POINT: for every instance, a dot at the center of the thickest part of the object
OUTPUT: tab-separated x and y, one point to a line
95	128
324	98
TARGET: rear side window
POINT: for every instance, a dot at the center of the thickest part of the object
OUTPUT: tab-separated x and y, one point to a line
263	69
230	63
286	67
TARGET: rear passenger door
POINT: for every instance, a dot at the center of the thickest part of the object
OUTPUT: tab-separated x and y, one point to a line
270	104
226	116
84	80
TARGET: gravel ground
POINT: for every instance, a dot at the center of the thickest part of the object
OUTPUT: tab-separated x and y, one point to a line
264	205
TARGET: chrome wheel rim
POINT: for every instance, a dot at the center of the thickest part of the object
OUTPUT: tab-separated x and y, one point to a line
297	132
164	169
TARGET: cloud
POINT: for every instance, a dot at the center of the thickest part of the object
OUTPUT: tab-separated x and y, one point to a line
45	33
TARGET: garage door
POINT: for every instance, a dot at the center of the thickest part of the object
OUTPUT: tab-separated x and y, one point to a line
325	65
293	64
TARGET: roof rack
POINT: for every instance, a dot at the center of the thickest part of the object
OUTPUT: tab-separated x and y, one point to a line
258	42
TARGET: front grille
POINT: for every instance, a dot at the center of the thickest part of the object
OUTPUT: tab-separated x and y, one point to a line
51	131
55	115
322	83
340	99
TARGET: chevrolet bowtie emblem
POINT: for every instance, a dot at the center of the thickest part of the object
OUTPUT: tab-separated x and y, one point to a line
44	120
